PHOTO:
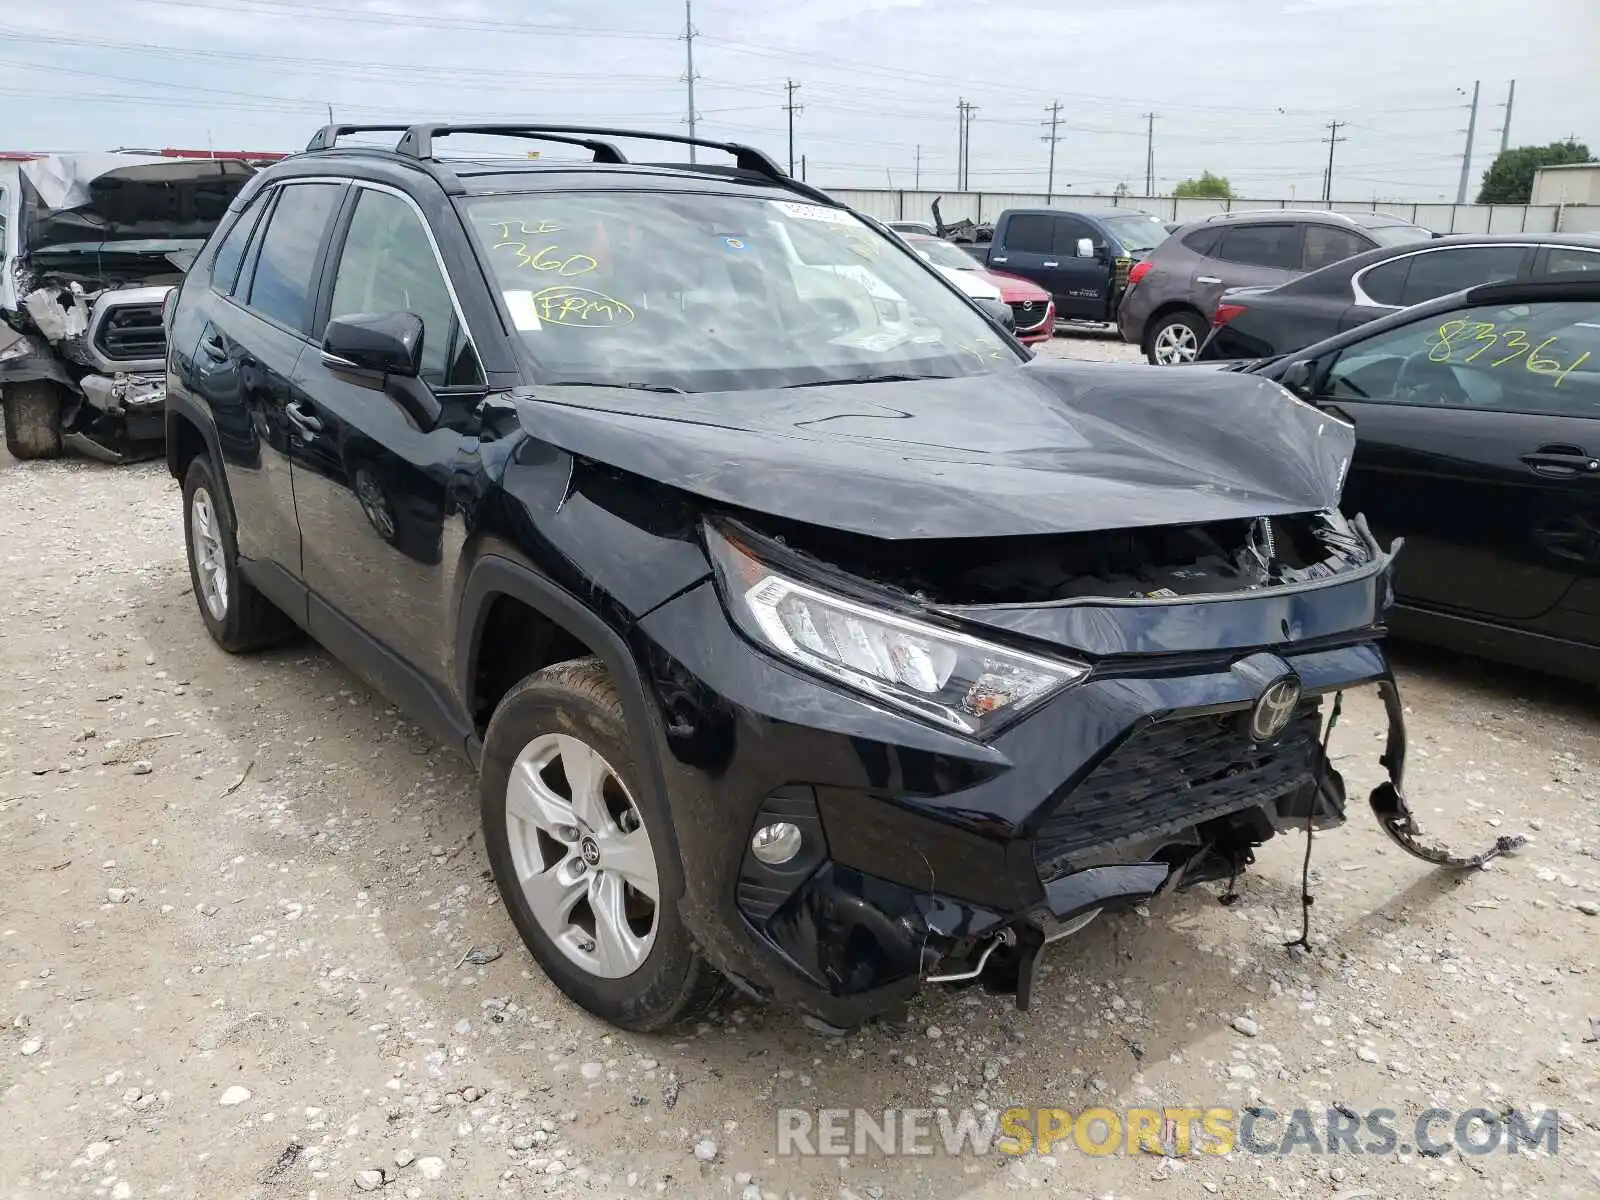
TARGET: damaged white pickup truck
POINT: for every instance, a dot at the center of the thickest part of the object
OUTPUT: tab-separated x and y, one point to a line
90	246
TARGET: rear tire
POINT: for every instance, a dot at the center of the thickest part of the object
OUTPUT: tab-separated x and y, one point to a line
238	618
33	418
1175	338
565	848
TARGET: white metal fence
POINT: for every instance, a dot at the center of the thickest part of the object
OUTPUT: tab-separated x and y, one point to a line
904	205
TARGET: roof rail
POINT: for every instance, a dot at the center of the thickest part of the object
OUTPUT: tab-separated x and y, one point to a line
328	136
418	142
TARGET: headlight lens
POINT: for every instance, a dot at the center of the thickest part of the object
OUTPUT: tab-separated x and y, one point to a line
943	676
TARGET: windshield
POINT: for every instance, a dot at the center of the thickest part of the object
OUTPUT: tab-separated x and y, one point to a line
945	254
709	292
1399	235
1136	232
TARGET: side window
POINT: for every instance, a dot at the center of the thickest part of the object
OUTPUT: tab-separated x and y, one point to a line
1029	233
281	286
225	266
1065	234
1328	244
388	265
1440	272
1541	358
1561	259
1262	246
1386	282
1204	241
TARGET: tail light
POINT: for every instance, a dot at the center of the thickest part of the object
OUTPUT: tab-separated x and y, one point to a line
1226	313
1138	272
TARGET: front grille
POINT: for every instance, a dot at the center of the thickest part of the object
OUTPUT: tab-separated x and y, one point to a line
1171	775
1029	313
132	332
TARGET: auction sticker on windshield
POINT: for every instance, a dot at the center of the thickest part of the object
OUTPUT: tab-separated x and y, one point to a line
814	212
524	312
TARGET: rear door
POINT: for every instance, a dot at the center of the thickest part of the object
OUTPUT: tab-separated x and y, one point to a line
249	347
1261	252
1478	441
1025	246
1430	273
1563	260
1081	284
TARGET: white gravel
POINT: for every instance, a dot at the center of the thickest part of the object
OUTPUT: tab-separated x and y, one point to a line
295	937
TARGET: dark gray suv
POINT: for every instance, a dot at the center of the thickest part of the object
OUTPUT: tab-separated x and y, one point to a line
1172	294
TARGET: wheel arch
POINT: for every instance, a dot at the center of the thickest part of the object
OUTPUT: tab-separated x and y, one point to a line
191	433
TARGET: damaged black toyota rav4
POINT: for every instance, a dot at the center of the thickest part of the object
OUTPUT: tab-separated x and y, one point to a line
806	633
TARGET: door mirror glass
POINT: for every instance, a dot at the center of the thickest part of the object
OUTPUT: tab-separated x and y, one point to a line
1085	247
390	343
1000	311
1297	377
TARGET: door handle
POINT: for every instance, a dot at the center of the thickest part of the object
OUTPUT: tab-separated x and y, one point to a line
212	345
1052	264
998	258
308	425
1206	279
1561	462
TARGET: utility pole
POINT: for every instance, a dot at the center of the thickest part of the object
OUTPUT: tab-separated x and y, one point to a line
792	87
1054	122
916	179
961	144
330	114
966	142
1466	154
689	34
1333	139
1505	125
802	168
1149	152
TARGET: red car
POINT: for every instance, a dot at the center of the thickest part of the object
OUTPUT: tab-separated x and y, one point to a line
1032	306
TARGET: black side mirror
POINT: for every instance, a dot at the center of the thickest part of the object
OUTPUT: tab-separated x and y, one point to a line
390	343
1000	311
1297	377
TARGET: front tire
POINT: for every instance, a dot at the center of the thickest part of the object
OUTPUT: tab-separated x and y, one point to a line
584	858
238	618
33	418
1175	338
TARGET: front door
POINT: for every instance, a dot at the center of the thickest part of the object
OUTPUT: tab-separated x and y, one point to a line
1080	283
371	484
1478	440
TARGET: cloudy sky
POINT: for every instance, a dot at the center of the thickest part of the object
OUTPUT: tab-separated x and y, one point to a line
1244	88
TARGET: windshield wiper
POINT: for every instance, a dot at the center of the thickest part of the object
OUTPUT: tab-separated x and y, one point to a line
631	387
866	379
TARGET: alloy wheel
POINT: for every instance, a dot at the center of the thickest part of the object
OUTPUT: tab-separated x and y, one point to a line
1175	343
582	855
210	562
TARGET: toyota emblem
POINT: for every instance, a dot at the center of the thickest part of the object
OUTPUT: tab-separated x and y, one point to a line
1273	709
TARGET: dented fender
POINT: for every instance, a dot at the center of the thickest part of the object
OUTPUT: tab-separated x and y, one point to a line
27	356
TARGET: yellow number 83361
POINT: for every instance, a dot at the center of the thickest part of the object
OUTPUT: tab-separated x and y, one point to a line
1468	341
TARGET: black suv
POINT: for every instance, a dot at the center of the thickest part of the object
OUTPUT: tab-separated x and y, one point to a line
807	634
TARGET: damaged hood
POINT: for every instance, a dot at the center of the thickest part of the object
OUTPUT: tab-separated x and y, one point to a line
1047	447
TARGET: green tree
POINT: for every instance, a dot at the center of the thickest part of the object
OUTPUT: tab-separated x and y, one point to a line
1509	179
1209	186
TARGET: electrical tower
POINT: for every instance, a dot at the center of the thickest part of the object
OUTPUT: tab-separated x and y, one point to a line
1052	137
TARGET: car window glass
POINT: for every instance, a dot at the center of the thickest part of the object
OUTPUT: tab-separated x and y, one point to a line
1569	258
1542	357
1386	282
1065	234
388	265
1029	232
225	267
1440	272
1326	245
1203	241
1262	246
281	286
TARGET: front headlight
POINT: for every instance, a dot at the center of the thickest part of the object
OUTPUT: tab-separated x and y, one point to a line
943	676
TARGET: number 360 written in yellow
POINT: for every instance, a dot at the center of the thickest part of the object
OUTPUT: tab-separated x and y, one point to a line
1468	341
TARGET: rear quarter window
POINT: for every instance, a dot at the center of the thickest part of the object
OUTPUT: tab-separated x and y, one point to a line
1203	241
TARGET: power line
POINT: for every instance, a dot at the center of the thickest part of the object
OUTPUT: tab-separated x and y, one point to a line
1052	137
1333	139
791	87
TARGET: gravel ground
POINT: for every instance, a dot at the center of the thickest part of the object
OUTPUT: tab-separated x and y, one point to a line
250	948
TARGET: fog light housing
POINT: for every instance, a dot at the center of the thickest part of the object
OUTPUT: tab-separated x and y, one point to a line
777	843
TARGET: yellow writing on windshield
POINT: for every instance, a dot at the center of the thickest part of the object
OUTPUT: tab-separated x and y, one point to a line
550	258
539	228
1488	345
564	304
982	353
